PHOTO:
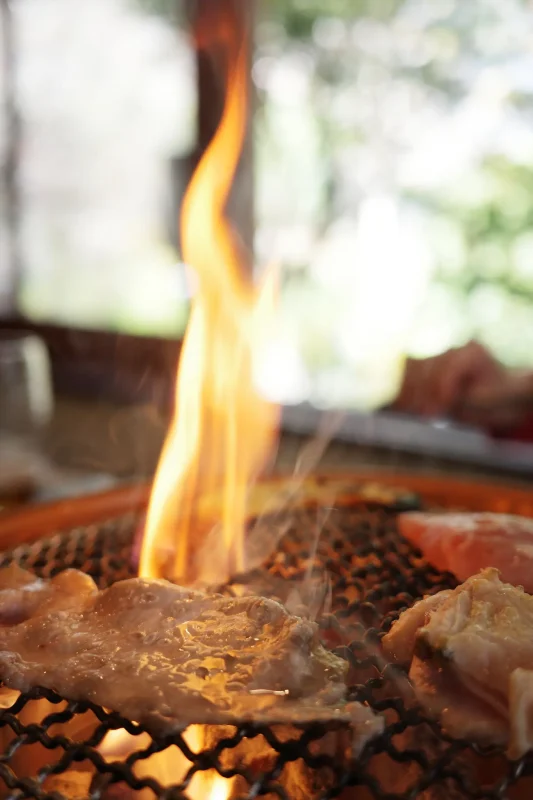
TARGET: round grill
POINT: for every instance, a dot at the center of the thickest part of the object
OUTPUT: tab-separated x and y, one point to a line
373	573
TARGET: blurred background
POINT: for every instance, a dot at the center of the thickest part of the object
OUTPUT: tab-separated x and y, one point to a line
392	180
400	132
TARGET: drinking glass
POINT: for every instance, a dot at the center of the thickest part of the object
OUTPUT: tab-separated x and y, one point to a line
26	400
26	405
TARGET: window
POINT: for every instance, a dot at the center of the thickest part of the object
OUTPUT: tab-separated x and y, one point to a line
106	100
107	107
400	132
393	159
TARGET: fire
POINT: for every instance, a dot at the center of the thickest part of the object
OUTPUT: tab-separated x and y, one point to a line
169	766
222	430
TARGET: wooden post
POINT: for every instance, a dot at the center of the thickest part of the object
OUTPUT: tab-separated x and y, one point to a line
218	27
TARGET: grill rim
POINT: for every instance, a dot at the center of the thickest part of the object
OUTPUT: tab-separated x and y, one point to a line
484	493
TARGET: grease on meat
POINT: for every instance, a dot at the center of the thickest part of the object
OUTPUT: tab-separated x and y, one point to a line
471	660
167	657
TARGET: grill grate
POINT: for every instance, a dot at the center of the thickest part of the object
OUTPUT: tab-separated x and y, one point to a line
373	574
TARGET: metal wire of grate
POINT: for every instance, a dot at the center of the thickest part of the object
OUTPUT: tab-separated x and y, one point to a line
372	575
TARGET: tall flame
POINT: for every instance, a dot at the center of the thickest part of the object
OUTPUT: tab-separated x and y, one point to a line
222	429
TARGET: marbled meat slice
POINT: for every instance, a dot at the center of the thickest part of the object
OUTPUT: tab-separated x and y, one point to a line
472	660
466	543
166	657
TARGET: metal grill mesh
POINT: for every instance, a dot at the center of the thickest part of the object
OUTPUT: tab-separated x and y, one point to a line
373	574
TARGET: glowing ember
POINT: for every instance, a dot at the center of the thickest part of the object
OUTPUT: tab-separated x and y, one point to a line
206	785
169	766
222	430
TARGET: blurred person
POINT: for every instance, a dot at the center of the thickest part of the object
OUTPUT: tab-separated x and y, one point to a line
468	384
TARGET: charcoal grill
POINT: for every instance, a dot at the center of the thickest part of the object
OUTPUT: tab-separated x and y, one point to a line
374	574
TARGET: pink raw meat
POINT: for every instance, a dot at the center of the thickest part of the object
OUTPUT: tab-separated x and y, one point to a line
464	544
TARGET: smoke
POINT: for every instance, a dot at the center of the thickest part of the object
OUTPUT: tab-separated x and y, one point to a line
263	539
274	506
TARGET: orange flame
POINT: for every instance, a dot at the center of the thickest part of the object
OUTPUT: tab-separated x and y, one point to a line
169	767
222	430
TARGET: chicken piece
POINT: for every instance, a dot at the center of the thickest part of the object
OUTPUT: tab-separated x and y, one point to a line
402	636
472	660
167	657
464	544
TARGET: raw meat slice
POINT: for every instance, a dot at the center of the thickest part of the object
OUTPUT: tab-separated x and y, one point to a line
464	544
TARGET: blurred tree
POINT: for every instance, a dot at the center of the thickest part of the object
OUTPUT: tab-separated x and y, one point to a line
494	281
174	10
428	104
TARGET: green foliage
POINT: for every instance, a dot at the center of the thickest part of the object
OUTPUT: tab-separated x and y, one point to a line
480	228
299	16
445	55
169	9
491	228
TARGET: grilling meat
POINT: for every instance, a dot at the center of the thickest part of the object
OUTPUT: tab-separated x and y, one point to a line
464	544
23	594
471	660
167	657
